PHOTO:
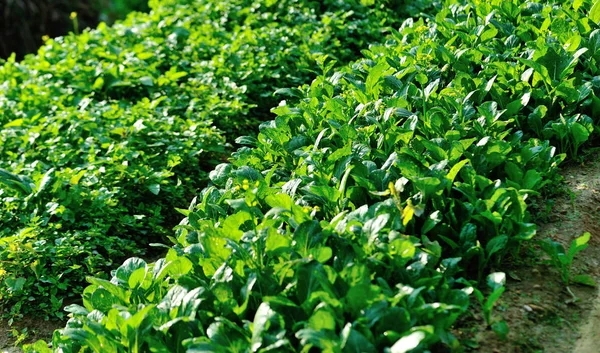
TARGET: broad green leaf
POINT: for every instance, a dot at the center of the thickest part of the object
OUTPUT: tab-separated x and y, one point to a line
231	225
501	329
431	88
147	81
15	284
322	320
154	188
495	245
578	244
586	280
129	266
595	12
496	280
408	343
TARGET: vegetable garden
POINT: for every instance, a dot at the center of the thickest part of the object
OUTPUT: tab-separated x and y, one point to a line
335	176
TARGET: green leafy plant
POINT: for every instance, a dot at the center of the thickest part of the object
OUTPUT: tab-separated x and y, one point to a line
357	218
105	133
496	284
562	259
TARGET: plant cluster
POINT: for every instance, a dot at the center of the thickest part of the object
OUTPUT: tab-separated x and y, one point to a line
104	133
362	217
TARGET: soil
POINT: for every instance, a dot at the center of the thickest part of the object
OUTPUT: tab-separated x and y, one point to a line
30	330
543	316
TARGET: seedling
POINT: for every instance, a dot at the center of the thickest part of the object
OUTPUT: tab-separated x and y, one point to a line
563	260
495	282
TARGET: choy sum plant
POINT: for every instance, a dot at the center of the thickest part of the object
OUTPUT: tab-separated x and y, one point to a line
562	259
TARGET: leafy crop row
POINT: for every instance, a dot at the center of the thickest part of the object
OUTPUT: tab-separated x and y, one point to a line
362	217
103	134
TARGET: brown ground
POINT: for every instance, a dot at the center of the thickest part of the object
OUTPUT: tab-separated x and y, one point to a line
539	310
31	330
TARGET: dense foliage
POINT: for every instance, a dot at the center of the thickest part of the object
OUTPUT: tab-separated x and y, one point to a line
357	219
105	133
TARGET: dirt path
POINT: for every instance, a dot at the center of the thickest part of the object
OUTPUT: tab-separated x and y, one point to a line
541	313
588	342
25	331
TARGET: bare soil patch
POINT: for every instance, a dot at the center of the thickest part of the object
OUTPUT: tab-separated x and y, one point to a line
28	330
541	313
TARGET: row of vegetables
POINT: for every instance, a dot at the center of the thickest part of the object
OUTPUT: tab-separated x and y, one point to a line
368	214
105	133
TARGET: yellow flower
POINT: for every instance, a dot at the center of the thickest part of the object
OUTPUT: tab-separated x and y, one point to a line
2	272
73	15
392	188
245	185
45	37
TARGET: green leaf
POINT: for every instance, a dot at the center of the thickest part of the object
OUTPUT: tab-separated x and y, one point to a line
586	280
98	83
154	188
408	343
128	267
580	133
39	346
454	172
434	219
488	34
431	87
355	342
231	225
532	180
595	12
264	314
578	244
496	280
14	123
147	81
119	293
15	284
501	329
322	320
496	244
77	177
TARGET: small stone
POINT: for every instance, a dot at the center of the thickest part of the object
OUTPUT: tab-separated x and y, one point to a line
537	286
527	308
